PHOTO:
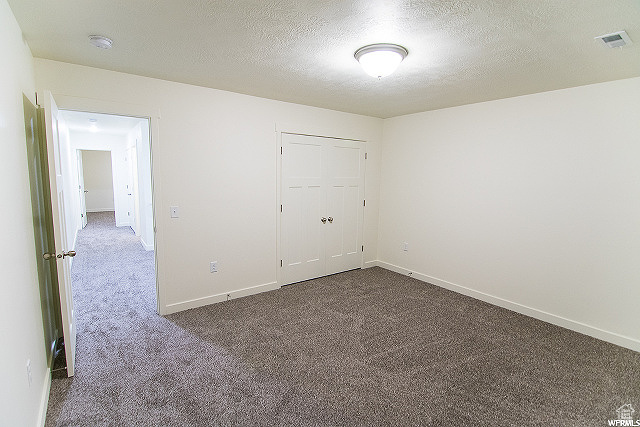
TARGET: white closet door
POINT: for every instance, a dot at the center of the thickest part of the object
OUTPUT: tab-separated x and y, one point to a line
345	195
303	200
322	213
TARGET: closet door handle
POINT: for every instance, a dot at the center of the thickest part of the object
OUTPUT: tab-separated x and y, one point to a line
324	220
330	219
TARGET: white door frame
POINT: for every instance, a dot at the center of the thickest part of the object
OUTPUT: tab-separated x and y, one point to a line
153	115
309	131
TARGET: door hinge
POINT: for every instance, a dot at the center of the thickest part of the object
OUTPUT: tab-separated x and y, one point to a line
280	263
365	156
280	208
362	248
280	150
364	203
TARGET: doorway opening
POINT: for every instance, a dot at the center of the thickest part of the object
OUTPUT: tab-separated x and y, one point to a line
106	168
124	141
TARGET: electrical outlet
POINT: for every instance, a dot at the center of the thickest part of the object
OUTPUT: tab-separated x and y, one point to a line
29	376
405	246
213	266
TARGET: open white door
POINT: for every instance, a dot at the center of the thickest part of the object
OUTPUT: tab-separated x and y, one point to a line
57	206
81	191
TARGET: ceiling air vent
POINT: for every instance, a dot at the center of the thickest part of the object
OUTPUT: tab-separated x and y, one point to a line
618	39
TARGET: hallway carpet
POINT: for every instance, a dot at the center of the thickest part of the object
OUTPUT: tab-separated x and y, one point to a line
366	347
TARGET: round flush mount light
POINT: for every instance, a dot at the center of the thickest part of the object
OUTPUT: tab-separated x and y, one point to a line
101	42
381	59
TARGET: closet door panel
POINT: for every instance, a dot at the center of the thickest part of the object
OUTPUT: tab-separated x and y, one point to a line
303	204
345	182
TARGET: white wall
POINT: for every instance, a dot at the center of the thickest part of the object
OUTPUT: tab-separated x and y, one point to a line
20	314
98	180
214	156
530	202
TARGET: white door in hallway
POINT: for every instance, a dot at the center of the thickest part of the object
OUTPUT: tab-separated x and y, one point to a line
81	190
130	165
322	206
62	253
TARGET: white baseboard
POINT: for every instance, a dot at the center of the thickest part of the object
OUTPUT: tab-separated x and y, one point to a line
145	245
44	399
369	264
573	325
212	299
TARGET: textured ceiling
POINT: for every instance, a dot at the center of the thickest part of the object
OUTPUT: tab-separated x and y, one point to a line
301	51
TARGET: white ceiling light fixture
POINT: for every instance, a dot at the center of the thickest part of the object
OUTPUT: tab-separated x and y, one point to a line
381	59
101	42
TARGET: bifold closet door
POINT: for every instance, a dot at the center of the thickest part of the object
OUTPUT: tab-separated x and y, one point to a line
322	196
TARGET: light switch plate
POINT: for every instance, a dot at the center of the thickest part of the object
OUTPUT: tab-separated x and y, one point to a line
174	212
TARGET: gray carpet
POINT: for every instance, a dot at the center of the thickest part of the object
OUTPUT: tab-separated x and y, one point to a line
366	347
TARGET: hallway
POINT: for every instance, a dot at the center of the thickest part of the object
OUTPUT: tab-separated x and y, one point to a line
114	296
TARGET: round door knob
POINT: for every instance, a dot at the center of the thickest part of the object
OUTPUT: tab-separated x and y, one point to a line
324	220
330	219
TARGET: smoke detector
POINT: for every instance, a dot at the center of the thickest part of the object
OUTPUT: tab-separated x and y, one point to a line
101	42
618	39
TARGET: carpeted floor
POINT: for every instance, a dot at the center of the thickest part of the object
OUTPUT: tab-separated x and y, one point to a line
366	347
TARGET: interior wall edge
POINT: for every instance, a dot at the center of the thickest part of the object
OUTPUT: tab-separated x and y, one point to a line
576	326
145	245
44	400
